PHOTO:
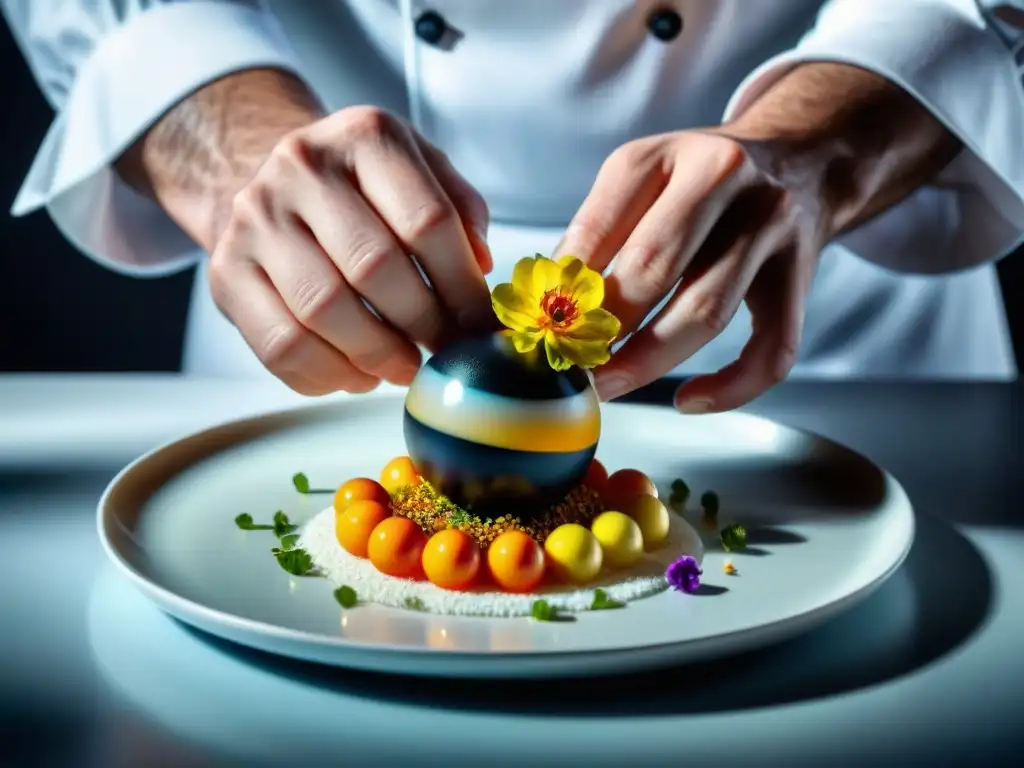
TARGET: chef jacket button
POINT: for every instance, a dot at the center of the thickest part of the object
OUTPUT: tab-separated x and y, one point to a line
665	24
430	27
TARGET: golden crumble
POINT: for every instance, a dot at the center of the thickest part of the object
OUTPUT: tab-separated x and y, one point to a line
433	511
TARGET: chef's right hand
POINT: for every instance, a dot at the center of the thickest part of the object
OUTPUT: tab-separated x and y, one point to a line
334	222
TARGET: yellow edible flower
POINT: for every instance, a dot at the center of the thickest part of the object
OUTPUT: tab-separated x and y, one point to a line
558	303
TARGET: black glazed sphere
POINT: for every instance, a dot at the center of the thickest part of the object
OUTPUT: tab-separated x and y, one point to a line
499	431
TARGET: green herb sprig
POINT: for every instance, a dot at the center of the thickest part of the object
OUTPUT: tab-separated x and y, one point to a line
679	494
604	603
297	562
542	610
734	538
245	522
301	483
346	597
282	525
414	604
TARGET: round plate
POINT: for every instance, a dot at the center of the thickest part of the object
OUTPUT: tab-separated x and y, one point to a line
826	527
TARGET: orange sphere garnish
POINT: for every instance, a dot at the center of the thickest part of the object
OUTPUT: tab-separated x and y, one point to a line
396	547
360	489
516	562
626	484
399	473
597	477
451	559
354	524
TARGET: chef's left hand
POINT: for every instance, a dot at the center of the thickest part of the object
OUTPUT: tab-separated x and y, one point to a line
705	218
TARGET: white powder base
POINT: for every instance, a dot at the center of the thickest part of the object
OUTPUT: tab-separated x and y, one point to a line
343	569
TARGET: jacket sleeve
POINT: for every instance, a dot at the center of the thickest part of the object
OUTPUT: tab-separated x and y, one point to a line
962	59
111	69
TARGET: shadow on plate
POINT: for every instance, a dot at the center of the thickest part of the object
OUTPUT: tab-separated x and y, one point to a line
931	606
826	480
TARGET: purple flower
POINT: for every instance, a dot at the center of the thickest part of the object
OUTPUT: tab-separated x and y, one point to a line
684	574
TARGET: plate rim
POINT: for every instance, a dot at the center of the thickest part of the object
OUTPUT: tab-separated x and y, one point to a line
201	616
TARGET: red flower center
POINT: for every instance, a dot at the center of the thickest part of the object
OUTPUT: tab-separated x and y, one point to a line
559	309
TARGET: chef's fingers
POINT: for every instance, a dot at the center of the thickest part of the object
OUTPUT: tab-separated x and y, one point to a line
317	295
468	202
704	303
669	235
289	350
627	184
367	254
397	182
776	301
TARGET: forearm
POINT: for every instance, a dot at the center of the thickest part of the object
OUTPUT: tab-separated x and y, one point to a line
848	136
206	148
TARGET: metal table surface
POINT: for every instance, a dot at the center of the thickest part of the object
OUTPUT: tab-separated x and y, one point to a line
929	667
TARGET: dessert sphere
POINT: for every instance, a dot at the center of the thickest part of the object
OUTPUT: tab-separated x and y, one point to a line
500	431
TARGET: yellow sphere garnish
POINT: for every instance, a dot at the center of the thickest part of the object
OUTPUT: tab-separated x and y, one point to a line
652	517
573	553
620	539
559	303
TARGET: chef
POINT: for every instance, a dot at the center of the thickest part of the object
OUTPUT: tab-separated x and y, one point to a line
813	188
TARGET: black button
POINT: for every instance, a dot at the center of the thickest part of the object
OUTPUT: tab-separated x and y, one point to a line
430	27
665	25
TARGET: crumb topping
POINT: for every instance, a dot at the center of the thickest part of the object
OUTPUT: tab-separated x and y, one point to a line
433	511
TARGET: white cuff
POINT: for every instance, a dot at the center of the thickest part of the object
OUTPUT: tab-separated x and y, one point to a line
134	75
944	54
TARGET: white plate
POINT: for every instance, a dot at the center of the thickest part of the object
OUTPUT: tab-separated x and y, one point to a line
827	528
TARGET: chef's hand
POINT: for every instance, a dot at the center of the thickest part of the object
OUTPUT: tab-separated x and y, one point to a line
740	213
337	218
698	215
311	219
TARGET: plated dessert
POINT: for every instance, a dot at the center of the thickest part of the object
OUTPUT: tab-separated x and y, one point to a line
500	507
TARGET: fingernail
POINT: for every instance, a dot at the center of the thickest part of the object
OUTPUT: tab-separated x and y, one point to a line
694	405
399	371
410	369
478	242
612	386
479	227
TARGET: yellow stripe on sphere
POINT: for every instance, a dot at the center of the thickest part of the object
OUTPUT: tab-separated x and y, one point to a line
538	426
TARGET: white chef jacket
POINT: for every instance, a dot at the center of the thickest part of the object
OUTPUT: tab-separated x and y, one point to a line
529	97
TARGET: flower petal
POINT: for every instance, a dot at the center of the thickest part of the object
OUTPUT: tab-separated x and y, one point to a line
587	288
547	275
513	307
522	278
586	343
595	325
585	354
526	341
571	267
557	358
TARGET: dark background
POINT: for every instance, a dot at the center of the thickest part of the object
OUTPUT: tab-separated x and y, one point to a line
59	311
